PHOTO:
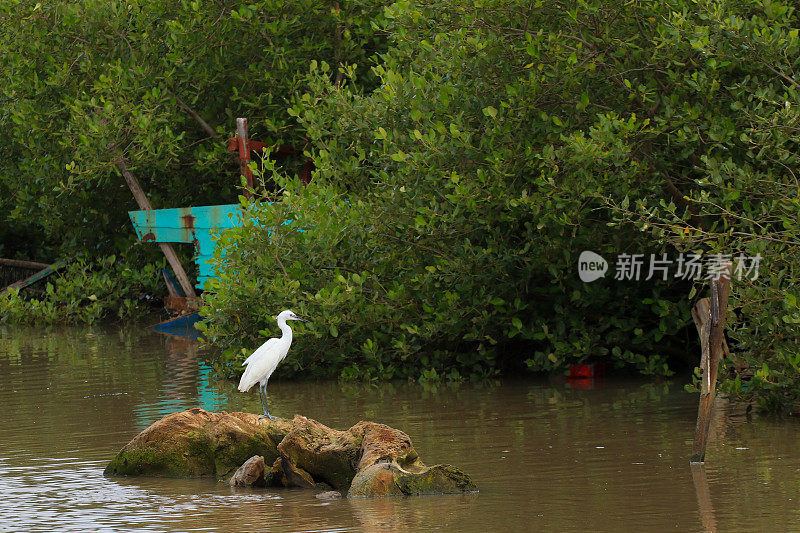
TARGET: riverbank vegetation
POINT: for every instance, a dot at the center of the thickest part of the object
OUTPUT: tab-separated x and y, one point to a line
86	292
465	155
155	85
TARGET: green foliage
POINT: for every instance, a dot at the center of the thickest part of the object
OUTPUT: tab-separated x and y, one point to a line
84	84
435	240
457	180
450	204
85	292
723	100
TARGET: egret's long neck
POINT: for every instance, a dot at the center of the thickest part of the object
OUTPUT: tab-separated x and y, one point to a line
285	329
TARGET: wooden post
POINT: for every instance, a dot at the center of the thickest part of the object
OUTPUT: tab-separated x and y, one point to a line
244	155
709	317
169	253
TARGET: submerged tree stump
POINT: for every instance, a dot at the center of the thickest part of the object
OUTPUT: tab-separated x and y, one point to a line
369	459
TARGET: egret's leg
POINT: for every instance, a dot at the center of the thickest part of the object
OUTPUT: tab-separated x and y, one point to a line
262	393
264	403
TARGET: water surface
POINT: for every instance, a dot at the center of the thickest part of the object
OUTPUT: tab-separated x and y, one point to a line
546	455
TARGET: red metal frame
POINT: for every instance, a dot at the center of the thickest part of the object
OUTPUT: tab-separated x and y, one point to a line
245	146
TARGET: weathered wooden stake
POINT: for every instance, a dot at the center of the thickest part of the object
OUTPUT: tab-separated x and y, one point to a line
709	317
169	253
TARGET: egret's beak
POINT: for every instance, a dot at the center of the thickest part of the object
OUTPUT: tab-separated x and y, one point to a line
300	319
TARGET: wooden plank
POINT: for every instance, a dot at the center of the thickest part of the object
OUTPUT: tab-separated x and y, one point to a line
196	225
133	185
180	304
175	263
711	318
169	253
17	263
30	280
184	224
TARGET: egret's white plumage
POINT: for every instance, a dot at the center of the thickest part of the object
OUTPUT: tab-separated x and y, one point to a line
263	362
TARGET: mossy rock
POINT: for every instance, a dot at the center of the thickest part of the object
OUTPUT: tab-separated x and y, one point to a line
197	443
389	479
437	479
367	460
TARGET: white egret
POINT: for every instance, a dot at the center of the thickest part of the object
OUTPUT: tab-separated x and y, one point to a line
263	362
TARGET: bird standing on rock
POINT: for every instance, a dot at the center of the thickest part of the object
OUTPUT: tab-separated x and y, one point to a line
262	363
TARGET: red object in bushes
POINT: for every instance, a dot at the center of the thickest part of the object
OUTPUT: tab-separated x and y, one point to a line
588	370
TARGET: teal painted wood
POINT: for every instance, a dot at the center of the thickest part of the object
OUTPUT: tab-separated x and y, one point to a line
196	225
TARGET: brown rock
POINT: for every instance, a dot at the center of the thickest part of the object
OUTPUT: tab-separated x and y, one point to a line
275	476
389	479
375	480
289	475
250	474
369	459
198	443
382	444
329	495
327	454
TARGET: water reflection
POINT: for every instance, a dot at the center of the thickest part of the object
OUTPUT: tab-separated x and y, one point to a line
412	514
546	455
186	383
703	493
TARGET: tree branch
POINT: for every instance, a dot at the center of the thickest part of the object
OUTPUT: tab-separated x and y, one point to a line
203	124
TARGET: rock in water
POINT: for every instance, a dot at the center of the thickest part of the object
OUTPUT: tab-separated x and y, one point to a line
367	460
328	455
329	495
390	479
250	474
198	443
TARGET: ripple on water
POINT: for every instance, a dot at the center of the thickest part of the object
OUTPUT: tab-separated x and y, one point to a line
544	455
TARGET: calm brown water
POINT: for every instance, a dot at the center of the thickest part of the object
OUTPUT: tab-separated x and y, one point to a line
545	456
